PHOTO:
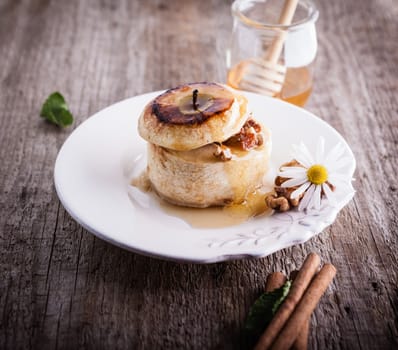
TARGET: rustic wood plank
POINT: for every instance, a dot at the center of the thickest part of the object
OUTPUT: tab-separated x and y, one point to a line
60	287
364	239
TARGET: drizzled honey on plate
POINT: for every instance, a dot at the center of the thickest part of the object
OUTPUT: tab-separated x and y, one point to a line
211	217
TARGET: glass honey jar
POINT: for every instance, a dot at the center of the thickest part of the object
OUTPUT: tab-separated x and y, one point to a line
257	31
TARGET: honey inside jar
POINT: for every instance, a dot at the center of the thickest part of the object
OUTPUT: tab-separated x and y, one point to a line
296	88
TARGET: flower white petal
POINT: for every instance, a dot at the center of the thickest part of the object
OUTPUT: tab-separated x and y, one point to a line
343	177
329	194
338	164
337	178
297	193
334	154
292	172
306	151
302	155
320	150
338	183
294	182
302	160
316	198
307	198
311	202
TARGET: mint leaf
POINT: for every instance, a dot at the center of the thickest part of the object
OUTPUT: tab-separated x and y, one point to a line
56	111
264	309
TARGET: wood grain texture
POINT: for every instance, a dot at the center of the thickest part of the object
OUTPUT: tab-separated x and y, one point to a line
60	287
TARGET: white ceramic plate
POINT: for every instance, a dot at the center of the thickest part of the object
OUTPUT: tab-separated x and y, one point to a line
94	167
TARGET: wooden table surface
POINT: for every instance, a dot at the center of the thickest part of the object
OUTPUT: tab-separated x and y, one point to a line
61	287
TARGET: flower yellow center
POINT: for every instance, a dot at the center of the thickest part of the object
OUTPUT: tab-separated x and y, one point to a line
317	174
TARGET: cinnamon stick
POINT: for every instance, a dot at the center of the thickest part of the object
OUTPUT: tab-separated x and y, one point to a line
301	342
299	285
276	280
304	308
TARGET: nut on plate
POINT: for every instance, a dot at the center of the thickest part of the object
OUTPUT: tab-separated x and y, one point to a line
280	200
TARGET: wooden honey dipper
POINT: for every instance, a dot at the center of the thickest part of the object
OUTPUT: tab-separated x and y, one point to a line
265	75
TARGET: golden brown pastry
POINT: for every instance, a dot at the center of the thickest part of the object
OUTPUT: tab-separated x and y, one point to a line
204	149
172	121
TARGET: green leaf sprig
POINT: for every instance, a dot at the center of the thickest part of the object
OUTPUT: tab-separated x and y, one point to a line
264	309
56	111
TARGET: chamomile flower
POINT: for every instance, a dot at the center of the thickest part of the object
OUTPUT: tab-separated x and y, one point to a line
317	175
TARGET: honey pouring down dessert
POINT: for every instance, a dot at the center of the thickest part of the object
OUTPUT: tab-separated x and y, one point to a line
204	148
